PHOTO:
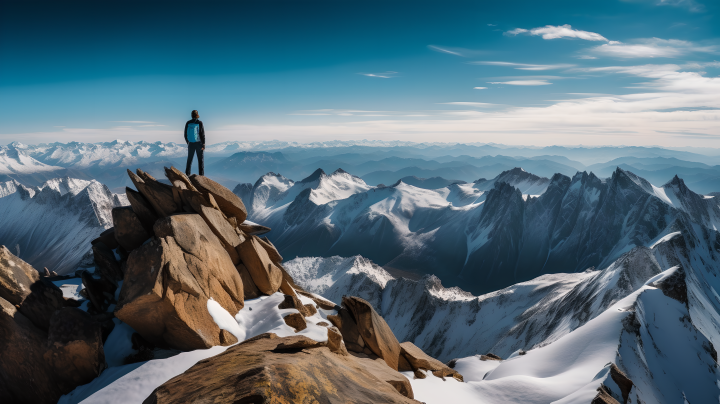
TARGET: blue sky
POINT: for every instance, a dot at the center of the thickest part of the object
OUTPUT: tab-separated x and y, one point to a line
642	72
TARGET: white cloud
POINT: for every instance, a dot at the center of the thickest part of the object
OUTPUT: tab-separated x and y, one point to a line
587	57
385	75
651	48
443	50
469	104
524	66
523	82
556	32
492	25
479	88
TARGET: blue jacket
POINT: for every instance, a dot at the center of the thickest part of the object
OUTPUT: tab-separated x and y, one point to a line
194	131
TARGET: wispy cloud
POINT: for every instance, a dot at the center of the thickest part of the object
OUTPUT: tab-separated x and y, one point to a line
524	66
385	75
651	48
492	25
444	50
556	32
479	88
691	5
523	82
469	104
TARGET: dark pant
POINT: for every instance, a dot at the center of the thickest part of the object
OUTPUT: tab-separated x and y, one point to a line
195	147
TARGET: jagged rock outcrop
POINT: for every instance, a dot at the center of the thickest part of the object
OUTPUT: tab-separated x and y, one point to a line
280	370
187	245
21	285
375	332
47	349
170	279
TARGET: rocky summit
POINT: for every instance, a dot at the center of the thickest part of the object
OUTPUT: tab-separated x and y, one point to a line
174	273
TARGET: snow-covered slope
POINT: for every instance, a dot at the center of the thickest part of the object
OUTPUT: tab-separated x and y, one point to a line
52	225
14	161
653	313
484	236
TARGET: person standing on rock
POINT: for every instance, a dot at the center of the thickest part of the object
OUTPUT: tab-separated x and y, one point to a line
195	139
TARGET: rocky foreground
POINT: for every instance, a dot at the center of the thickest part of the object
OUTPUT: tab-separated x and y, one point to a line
173	256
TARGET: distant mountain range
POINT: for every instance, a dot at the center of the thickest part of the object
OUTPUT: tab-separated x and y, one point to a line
375	162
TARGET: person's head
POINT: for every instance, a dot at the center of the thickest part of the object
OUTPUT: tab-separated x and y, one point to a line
195	114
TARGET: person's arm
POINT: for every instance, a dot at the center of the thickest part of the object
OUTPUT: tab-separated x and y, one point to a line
202	135
185	134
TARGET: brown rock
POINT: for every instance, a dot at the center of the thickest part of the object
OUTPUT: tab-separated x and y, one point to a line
287	289
108	238
253	229
129	232
159	195
292	302
251	291
325	324
105	262
320	301
257	371
215	219
170	280
335	341
21	285
227	338
266	275
490	357
404	365
419	374
296	321
75	348
229	203
25	377
272	252
420	360
143	209
310	309
347	326
173	174
623	382
603	397
379	369
374	330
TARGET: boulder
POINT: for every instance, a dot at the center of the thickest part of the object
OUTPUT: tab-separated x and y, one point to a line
270	249
142	208
420	360
159	195
75	348
105	262
215	219
320	301
252	229
375	332
21	285
311	310
25	377
266	275
251	291
292	302
100	292
170	280
264	370
489	357
129	232
173	174
379	369
349	330
229	203
296	321
108	238
335	341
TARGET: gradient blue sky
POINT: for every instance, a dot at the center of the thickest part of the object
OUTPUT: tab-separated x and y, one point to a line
641	72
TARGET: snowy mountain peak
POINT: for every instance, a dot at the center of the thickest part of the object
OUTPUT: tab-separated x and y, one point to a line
315	176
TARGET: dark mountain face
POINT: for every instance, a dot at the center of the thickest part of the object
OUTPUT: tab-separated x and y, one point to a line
500	238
